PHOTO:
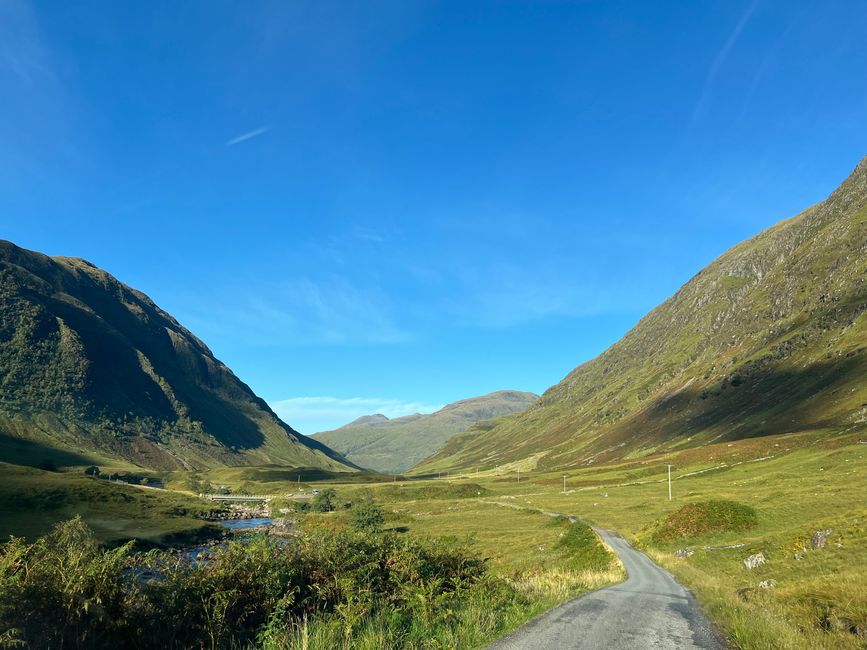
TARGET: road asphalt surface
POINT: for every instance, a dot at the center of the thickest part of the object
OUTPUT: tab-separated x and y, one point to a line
649	610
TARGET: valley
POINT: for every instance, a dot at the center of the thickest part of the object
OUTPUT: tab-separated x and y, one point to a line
796	484
433	325
723	437
396	445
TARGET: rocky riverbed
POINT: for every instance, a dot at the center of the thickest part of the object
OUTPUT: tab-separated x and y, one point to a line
245	517
236	511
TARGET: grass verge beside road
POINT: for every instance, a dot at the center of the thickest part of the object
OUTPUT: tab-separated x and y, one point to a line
779	492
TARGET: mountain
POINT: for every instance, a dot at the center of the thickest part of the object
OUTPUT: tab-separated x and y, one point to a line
393	446
368	419
90	365
770	338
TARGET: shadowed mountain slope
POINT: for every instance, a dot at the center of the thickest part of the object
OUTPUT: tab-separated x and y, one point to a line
770	338
376	442
91	365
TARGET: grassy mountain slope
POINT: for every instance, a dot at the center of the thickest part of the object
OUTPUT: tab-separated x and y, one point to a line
770	338
376	442
94	367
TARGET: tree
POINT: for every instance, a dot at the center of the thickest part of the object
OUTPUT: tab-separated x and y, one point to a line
324	501
366	516
93	470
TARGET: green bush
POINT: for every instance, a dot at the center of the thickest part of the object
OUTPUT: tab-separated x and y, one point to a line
702	518
366	516
324	501
64	591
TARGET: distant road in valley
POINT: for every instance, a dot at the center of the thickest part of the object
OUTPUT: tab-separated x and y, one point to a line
649	610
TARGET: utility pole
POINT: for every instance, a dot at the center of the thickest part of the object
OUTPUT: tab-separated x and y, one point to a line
669	481
564	484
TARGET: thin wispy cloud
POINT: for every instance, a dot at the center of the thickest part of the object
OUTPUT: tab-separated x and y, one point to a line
719	60
370	235
322	413
249	135
21	51
306	311
770	57
41	115
507	296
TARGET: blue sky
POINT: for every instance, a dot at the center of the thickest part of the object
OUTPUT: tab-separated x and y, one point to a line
388	206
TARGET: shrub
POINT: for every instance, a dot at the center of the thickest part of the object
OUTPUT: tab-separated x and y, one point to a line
704	517
63	591
366	516
301	506
324	501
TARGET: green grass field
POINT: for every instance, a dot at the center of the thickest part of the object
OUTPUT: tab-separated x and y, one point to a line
533	561
795	485
32	501
765	495
787	487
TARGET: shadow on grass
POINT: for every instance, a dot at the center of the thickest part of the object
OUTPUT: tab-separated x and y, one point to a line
18	451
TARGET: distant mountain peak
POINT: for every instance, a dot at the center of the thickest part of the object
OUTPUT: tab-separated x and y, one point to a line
367	419
395	445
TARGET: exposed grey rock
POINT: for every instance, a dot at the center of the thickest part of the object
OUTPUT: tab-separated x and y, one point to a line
799	556
767	584
282	526
820	538
683	553
754	561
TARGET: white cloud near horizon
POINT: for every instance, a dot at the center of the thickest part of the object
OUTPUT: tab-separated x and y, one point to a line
322	413
249	135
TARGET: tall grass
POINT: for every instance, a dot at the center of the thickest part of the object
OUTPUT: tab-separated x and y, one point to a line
324	590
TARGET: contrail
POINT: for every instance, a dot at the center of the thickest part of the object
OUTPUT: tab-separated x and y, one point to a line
719	59
248	136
